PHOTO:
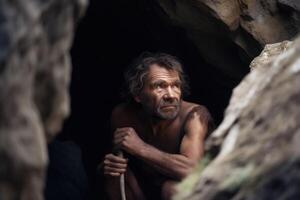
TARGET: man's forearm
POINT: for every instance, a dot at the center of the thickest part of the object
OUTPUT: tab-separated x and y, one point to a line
176	166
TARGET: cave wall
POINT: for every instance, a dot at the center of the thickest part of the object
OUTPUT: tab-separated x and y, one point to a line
218	28
35	68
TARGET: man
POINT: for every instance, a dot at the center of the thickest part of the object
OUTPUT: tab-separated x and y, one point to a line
160	134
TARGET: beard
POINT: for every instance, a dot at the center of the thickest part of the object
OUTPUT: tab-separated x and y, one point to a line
167	110
164	110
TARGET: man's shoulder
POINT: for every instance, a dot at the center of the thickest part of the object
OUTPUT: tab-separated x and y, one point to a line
123	110
119	116
189	107
197	111
119	109
124	115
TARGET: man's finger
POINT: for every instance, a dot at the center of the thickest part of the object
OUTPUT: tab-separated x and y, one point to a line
117	159
121	131
120	134
117	142
124	129
115	165
112	174
108	169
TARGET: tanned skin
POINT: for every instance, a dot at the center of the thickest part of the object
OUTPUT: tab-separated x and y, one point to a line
163	132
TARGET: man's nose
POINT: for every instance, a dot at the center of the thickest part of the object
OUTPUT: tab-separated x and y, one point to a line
170	94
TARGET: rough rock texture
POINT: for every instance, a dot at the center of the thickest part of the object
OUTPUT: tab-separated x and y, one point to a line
269	53
219	28
35	38
258	139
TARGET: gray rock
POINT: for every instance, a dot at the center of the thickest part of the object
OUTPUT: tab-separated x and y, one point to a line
269	53
294	4
259	137
35	38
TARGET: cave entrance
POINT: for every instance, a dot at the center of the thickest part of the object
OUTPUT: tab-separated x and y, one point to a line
111	34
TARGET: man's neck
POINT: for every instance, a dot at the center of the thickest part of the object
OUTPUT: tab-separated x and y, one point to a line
158	124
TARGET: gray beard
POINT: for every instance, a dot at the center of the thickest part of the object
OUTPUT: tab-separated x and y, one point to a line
159	114
167	115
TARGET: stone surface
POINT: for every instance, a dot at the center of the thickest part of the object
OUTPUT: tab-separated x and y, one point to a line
35	38
221	28
258	140
292	4
269	53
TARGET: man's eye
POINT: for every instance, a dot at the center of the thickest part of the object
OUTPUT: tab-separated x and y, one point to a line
157	86
161	85
177	85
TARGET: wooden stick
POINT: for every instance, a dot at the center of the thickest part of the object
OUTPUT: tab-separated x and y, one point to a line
122	180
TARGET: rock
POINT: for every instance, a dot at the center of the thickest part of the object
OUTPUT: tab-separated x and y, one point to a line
35	38
221	30
203	23
269	53
293	4
259	137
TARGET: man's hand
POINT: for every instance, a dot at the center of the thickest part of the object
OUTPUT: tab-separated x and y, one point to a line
128	140
114	165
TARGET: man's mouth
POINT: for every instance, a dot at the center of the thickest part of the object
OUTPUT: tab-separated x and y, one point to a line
168	107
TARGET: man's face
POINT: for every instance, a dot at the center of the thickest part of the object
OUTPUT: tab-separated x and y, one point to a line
161	94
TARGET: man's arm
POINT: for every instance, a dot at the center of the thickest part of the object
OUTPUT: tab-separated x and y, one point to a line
113	165
176	166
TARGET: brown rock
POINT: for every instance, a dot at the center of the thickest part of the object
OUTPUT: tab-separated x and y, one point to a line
220	28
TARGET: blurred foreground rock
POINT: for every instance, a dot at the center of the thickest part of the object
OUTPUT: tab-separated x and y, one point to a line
35	39
259	138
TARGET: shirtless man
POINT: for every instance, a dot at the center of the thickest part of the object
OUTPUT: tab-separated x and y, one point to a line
160	134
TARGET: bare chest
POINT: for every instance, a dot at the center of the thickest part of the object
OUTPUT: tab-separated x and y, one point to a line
168	139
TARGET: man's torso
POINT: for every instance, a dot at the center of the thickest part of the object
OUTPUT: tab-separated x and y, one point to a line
167	139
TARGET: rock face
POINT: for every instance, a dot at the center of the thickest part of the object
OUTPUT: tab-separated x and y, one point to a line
269	53
35	38
220	28
259	137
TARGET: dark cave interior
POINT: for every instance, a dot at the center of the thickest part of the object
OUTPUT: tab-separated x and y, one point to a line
111	34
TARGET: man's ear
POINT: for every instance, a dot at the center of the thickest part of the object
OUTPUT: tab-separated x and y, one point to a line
137	99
